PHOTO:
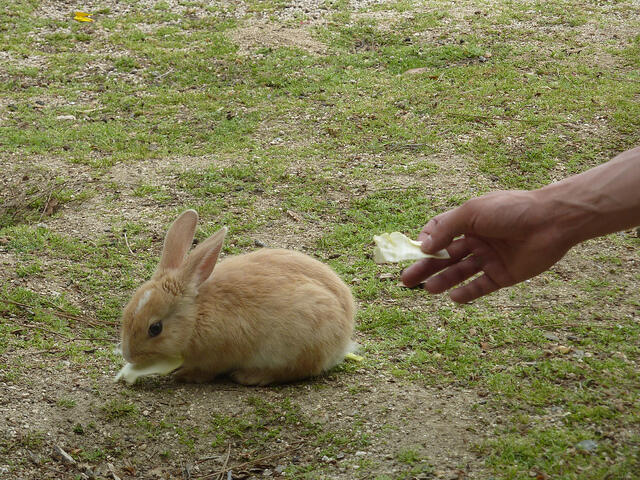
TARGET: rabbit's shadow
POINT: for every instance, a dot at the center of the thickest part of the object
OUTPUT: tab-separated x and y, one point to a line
167	384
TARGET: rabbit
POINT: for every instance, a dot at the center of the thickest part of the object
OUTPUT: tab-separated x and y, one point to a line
270	316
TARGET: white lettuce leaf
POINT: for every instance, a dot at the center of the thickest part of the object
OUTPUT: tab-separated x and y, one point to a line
395	247
130	372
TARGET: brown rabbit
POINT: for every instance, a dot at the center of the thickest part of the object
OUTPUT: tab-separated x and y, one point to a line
269	316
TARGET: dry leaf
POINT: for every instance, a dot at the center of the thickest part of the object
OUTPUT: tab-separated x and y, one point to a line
51	206
563	349
294	215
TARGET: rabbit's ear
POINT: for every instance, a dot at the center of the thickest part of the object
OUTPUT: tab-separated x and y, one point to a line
201	261
178	240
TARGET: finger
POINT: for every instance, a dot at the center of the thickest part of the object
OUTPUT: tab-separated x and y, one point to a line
478	287
453	275
422	269
442	229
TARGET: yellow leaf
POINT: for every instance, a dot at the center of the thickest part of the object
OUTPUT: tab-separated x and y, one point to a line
83	17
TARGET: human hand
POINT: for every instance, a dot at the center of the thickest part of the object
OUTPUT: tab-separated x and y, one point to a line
508	236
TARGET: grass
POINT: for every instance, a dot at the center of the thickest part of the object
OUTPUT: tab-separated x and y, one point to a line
109	129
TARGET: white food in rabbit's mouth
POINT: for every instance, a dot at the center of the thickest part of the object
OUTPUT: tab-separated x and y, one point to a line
395	247
130	372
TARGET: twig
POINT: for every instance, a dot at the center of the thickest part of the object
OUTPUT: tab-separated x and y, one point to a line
206	459
46	204
164	74
39	352
152	454
66	339
226	462
252	462
186	471
127	242
410	146
53	332
112	470
59	312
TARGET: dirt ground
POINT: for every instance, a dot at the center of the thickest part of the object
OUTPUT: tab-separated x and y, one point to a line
64	417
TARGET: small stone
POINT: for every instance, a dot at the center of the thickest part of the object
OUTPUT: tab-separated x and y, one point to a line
326	459
64	457
563	349
259	243
587	445
579	354
280	468
551	336
340	456
267	473
361	454
66	117
619	356
415	71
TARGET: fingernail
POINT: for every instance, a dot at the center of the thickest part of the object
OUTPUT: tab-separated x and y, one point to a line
426	243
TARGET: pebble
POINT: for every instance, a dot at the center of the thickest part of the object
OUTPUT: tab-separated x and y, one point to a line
587	445
66	117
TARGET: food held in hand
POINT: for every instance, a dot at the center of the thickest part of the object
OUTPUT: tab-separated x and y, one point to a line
395	247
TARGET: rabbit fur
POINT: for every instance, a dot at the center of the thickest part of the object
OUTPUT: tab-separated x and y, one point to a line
269	316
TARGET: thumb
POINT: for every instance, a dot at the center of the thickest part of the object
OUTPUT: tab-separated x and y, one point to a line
442	229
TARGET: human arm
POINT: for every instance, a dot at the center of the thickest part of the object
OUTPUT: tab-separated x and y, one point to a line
511	236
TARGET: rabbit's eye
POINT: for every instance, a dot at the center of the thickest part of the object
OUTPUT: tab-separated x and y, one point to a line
155	329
